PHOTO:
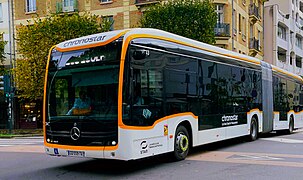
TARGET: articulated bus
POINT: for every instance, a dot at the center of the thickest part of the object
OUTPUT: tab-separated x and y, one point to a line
190	93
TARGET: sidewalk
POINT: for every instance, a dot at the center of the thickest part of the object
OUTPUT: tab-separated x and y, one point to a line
4	133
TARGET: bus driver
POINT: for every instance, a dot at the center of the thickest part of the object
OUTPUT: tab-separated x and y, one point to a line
82	105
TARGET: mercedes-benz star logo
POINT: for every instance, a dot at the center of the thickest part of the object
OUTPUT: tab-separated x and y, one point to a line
75	133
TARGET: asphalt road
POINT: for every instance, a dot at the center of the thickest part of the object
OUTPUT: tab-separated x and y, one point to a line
270	157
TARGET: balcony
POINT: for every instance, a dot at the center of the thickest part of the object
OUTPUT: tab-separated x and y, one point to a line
222	30
67	6
254	14
145	2
254	46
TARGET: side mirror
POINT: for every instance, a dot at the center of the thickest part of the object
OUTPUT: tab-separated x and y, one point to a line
140	54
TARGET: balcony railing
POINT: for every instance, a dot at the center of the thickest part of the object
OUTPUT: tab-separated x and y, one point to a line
254	44
222	29
254	12
60	7
142	2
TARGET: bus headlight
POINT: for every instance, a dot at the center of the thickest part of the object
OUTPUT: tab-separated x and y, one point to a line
114	143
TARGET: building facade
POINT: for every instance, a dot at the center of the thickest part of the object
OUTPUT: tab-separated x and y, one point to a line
240	26
284	34
124	13
5	30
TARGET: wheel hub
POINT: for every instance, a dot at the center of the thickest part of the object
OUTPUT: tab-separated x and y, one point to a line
182	142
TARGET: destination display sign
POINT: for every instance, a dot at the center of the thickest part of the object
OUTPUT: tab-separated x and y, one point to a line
91	40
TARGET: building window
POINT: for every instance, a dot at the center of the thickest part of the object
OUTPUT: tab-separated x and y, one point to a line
290	60
259	39
298	61
299	41
240	24
291	37
243	28
1	13
68	5
220	13
281	54
234	20
105	1
30	5
110	19
281	32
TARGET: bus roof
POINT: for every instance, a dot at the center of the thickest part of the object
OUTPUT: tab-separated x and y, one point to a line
129	34
93	40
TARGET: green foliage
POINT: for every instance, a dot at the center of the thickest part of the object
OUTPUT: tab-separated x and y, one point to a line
2	57
37	37
194	19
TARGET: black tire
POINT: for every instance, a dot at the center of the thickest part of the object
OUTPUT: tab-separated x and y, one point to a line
253	135
290	126
181	144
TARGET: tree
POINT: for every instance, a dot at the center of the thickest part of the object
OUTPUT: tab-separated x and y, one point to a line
37	37
2	57
194	19
2	45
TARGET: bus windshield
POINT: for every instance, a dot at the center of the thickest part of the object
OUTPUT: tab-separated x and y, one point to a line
84	83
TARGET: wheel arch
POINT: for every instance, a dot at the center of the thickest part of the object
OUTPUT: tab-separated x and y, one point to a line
256	117
188	126
291	117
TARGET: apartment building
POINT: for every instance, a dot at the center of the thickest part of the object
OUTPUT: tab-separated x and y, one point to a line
240	26
284	34
124	13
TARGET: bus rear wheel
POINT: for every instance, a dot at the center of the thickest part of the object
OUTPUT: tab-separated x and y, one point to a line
181	144
253	135
291	126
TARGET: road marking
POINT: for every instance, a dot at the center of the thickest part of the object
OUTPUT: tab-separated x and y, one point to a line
283	140
23	149
250	158
255	157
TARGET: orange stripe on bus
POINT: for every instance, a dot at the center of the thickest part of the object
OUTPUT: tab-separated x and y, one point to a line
287	73
96	148
292	111
189	45
252	110
123	126
44	93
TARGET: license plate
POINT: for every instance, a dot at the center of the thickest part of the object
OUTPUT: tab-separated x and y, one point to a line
76	153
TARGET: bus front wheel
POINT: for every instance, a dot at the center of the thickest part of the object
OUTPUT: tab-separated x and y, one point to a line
181	144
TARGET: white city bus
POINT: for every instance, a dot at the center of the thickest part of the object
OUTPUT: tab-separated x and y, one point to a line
152	92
